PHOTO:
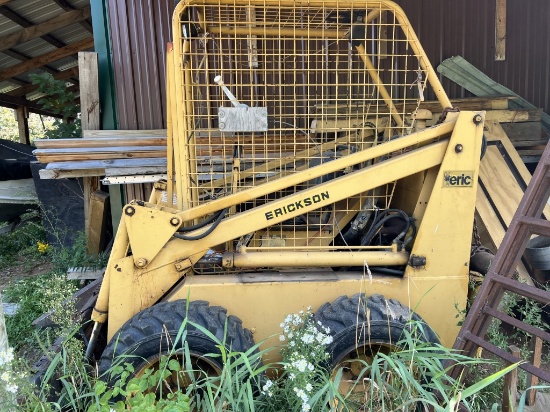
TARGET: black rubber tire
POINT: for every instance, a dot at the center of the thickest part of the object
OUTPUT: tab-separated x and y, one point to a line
349	326
153	331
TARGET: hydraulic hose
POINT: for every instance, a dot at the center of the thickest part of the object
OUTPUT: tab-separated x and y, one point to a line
220	216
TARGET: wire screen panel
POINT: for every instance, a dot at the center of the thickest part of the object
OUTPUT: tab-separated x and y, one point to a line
272	88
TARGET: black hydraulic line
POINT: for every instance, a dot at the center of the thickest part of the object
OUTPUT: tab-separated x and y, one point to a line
382	218
201	224
210	229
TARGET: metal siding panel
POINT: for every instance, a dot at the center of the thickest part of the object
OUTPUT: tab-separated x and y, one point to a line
122	64
140	31
447	28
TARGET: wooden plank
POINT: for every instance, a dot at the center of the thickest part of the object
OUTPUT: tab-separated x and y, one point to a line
85	273
98	150
52	56
99	205
124	133
530	143
46	174
89	90
500	30
532	380
38	30
514	116
133	171
90	118
523	131
531	152
99	142
509	395
475	81
104	155
101	164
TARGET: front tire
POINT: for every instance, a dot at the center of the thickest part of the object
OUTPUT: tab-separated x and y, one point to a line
153	333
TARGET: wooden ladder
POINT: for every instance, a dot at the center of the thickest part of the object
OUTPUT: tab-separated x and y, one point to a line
527	221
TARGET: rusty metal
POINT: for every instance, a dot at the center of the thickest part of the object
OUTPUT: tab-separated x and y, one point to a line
500	279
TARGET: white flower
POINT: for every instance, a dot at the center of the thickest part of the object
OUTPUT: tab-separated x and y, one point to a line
305	407
292	377
327	340
6	357
309	387
282	338
5	377
267	385
310	367
301	365
292	343
11	388
307	338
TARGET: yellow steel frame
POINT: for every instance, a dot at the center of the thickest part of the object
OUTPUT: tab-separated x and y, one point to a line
442	160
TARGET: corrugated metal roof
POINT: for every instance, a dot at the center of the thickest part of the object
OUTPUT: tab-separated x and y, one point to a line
36	12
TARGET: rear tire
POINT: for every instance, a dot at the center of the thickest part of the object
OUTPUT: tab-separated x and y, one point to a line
152	333
376	320
362	327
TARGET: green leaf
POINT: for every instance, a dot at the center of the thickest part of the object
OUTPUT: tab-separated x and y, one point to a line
174	365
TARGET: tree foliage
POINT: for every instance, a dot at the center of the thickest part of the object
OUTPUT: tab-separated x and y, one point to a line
58	100
38	125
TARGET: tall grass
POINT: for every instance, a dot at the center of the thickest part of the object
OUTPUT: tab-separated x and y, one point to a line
410	379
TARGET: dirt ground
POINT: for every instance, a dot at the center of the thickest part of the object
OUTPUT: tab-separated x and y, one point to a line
23	269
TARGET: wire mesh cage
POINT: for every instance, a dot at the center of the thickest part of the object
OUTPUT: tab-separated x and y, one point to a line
265	89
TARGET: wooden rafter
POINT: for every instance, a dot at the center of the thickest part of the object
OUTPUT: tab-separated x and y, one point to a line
67	7
3	2
15	102
46	58
23	58
29	88
38	30
16	18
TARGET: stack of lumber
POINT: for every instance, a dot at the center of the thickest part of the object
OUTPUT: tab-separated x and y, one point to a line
67	150
528	131
103	153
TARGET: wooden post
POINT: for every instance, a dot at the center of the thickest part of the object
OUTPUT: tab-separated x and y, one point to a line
500	30
536	349
509	398
4	399
89	105
3	332
98	222
22	116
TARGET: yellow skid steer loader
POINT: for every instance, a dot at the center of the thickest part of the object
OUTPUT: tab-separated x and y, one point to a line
301	172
